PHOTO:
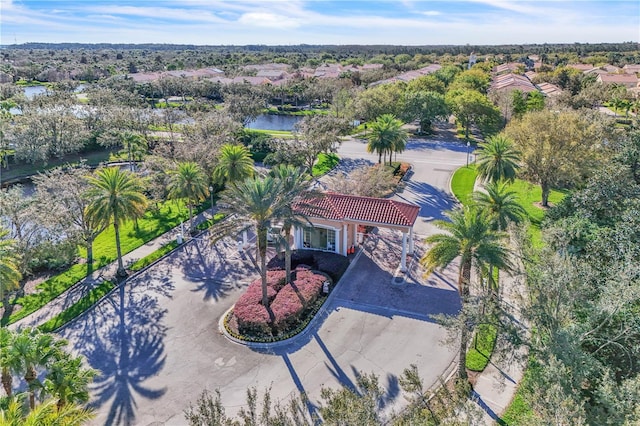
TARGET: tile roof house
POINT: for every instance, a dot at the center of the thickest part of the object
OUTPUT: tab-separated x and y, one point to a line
549	89
508	67
511	82
628	80
337	218
581	67
631	69
409	75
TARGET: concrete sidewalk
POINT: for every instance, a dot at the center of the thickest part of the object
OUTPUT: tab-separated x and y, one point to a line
80	289
496	386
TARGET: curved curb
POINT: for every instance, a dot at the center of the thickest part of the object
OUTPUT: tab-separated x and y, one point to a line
322	314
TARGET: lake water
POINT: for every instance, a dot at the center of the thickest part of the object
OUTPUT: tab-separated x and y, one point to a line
32	91
274	122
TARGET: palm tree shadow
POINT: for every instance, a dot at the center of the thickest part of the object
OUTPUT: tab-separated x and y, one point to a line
213	270
433	202
126	344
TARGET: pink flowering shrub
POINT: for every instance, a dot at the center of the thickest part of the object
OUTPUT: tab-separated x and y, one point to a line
251	315
292	300
287	302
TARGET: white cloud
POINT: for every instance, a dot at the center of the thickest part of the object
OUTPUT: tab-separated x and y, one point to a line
268	20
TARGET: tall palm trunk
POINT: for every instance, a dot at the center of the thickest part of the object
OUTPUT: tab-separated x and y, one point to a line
130	158
463	284
190	217
89	248
30	377
262	252
7	381
121	272
287	253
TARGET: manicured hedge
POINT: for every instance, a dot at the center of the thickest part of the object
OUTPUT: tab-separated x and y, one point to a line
287	303
293	299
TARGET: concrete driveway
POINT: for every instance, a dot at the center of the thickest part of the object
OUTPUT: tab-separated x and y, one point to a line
157	344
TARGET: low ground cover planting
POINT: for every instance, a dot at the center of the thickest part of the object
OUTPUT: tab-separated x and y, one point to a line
290	306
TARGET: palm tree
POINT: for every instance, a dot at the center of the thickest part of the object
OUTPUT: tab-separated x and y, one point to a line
8	361
135	146
235	164
257	201
294	182
33	349
116	196
188	181
386	135
469	236
68	381
45	414
498	159
501	204
10	275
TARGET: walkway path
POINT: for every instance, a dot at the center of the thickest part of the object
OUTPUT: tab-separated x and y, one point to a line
75	293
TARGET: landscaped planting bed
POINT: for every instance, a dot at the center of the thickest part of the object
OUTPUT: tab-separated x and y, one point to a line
290	306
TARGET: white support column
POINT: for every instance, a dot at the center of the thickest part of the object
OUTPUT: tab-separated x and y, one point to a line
295	238
411	248
355	234
244	237
403	259
344	239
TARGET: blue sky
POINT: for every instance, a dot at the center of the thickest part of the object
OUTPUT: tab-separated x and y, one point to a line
216	22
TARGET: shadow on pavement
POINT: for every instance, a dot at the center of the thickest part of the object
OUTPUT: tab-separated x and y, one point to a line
214	270
432	201
123	339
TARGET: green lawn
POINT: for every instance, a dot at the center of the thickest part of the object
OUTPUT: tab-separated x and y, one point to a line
462	183
530	196
325	163
153	224
77	308
483	343
281	134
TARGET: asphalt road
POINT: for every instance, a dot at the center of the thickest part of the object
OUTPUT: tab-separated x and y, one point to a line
157	344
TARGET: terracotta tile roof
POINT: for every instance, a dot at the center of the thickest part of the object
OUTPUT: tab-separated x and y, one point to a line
581	67
631	68
361	209
511	82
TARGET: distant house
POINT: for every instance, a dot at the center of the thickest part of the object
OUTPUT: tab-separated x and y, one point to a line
272	74
631	69
627	80
508	68
511	82
549	89
409	75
